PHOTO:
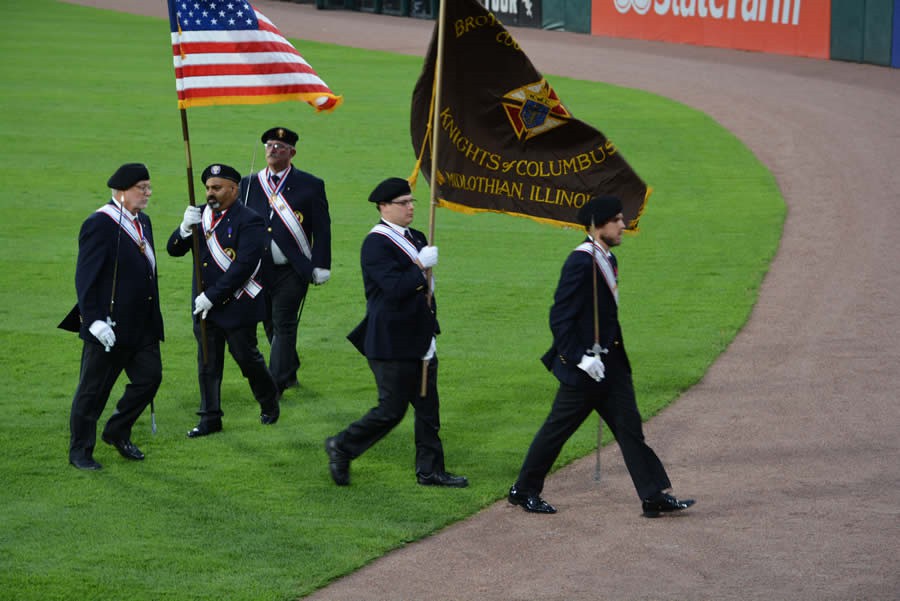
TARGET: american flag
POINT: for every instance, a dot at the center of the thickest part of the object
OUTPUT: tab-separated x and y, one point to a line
227	52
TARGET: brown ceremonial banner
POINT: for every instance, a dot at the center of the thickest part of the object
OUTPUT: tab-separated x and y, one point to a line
506	142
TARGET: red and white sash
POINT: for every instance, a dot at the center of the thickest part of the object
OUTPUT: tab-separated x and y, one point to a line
402	243
391	234
601	259
221	257
281	208
126	222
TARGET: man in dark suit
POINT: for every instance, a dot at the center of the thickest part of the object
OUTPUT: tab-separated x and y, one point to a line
120	320
397	335
589	360
228	298
298	251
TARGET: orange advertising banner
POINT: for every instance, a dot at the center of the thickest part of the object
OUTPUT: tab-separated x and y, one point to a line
797	27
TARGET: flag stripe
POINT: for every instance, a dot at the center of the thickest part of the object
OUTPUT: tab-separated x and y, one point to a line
200	37
295	82
241	70
250	90
235	48
224	58
313	99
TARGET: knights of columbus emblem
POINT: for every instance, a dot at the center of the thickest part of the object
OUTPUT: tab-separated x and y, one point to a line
534	109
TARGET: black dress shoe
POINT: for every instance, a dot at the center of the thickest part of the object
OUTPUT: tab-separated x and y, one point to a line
530	503
442	479
664	503
85	463
125	448
270	417
205	429
338	462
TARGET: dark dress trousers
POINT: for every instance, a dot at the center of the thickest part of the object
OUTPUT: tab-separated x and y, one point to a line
232	319
572	325
286	285
107	255
394	336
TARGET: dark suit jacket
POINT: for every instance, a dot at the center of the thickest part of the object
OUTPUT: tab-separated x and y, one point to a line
243	231
399	322
572	319
305	194
136	308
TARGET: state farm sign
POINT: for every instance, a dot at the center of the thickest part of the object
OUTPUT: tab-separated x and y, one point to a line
800	27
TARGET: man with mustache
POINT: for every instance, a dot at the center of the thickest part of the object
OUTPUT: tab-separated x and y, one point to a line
228	296
295	208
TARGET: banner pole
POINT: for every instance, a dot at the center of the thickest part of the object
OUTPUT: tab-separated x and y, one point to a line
194	228
436	117
432	205
596	346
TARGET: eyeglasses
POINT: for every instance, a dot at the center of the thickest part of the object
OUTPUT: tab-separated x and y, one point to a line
277	147
145	188
404	203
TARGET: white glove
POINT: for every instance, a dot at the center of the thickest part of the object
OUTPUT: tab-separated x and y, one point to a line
593	366
432	348
103	333
202	305
320	276
192	216
428	256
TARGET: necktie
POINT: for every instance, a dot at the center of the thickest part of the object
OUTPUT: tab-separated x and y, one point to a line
409	237
274	179
615	265
140	233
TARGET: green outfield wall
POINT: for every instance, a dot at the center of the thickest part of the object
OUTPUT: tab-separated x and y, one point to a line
863	30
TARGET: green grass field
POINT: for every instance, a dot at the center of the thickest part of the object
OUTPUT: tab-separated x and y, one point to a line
251	513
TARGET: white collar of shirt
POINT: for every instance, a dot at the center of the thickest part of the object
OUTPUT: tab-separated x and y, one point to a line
121	207
280	174
400	230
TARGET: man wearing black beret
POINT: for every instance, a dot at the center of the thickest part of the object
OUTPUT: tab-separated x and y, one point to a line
228	296
294	207
396	336
117	317
594	374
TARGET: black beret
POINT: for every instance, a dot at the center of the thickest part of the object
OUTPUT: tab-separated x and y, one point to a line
223	171
599	210
281	134
389	189
128	175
